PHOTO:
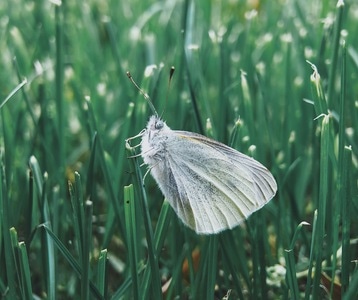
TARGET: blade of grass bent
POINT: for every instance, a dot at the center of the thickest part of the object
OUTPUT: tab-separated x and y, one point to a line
70	259
291	277
13	92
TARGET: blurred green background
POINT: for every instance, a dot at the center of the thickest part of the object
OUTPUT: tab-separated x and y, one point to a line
75	221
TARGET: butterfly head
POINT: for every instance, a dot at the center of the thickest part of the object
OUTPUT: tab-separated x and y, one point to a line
155	128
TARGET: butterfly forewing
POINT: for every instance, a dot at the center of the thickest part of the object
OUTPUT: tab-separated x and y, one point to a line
211	186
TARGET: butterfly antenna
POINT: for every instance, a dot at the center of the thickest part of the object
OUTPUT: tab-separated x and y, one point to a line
146	97
171	72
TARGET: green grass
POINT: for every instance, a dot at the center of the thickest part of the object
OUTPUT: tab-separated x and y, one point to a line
75	220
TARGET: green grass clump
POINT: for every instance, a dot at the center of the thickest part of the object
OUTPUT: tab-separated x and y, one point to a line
275	80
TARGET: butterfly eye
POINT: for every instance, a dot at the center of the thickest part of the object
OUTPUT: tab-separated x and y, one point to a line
159	125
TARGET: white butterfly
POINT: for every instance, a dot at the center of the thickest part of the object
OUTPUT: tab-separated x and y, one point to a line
210	186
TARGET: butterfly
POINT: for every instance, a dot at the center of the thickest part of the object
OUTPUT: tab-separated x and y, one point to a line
211	187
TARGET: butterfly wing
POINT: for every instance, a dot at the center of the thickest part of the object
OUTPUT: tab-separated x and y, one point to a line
211	186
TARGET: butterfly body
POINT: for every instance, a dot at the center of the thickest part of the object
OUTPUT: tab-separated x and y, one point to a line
210	186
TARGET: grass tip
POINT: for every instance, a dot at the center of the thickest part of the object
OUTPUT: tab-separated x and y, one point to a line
340	3
56	2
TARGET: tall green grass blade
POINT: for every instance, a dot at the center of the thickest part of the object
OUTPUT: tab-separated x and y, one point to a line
130	218
322	204
200	289
161	229
25	271
49	257
38	177
87	245
336	44
312	260
5	214
189	51
342	200
59	87
90	184
77	216
212	266
82	217
102	273
152	255
15	255
291	277
247	102
346	195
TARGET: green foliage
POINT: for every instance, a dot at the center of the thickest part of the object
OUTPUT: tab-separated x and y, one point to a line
75	219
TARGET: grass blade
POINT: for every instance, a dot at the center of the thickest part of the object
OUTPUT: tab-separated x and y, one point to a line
212	266
130	218
312	261
346	197
166	214
102	282
152	255
59	86
336	43
322	205
25	271
291	277
49	257
13	92
87	245
5	214
343	183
